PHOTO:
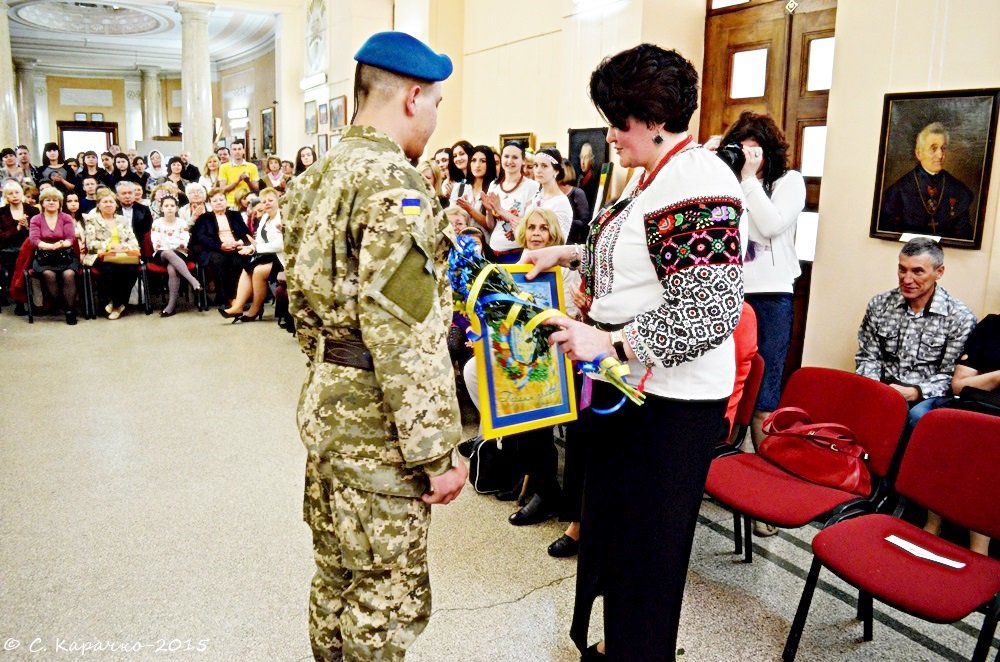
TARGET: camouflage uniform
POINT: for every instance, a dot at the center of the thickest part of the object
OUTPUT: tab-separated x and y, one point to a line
367	258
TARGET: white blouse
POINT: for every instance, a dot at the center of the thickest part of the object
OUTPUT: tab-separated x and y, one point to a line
514	201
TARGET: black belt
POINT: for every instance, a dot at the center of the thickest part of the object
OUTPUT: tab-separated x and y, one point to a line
347	352
603	326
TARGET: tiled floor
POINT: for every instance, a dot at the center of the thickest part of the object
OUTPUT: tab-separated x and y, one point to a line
150	494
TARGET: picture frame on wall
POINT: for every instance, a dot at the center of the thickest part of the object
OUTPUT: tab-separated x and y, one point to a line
324	114
548	144
589	147
526	138
934	162
338	111
311	117
79	117
322	145
97	117
267	135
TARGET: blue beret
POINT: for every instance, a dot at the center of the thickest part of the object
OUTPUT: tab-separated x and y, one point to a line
403	54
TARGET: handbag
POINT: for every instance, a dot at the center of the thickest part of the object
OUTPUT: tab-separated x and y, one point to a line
826	454
121	257
57	260
491	466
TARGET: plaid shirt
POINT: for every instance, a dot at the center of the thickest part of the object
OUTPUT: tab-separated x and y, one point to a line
898	346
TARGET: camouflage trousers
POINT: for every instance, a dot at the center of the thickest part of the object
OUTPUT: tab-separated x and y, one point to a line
371	594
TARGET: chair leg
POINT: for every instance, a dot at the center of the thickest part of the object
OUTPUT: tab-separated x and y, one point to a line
89	305
866	614
738	532
27	303
799	623
986	633
748	536
203	295
144	289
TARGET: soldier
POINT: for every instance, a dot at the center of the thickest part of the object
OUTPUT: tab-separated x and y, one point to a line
367	248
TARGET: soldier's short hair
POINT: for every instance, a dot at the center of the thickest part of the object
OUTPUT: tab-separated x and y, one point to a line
924	246
368	80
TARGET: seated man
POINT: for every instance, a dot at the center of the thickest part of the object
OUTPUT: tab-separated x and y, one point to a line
912	335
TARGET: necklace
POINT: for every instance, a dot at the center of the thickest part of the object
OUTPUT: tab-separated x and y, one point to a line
930	204
512	189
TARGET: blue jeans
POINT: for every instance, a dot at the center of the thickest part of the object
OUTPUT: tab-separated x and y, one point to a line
774	333
921	408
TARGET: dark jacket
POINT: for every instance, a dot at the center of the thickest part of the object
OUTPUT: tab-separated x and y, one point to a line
142	220
205	234
10	235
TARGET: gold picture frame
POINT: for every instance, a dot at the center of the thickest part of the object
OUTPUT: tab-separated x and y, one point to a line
526	138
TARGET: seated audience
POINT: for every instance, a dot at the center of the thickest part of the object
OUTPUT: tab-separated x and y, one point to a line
10	170
142	177
165	189
305	158
89	185
912	335
14	218
196	206
91	168
136	214
273	177
157	169
110	239
216	240
266	260
53	236
169	240
190	172
123	171
174	168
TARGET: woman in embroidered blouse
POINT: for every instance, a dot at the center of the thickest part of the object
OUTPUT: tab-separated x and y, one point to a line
775	196
506	202
210	179
169	238
110	232
663	278
216	240
266	261
482	173
273	176
53	235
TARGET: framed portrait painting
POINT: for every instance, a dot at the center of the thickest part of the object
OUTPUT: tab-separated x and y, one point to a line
338	111
517	390
527	138
267	130
311	117
934	162
588	152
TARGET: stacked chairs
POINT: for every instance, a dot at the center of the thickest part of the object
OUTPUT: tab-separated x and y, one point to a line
754	489
949	467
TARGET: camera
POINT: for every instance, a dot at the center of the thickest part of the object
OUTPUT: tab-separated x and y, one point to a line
732	155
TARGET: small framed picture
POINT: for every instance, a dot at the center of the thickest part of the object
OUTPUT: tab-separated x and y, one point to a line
267	129
97	117
527	139
79	117
322	144
311	119
517	390
324	114
338	111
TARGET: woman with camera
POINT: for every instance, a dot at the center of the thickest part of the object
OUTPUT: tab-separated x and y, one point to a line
775	196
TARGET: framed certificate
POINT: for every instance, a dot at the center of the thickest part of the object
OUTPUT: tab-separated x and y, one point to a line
521	386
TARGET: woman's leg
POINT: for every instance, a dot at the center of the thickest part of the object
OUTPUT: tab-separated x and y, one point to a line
244	290
259	283
173	287
180	265
69	289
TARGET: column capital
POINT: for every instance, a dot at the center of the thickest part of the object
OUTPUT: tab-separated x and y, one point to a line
24	63
191	10
149	71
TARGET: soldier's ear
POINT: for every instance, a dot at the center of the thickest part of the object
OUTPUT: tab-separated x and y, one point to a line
410	102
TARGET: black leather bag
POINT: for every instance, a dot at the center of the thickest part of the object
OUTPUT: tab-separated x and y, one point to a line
56	260
491	466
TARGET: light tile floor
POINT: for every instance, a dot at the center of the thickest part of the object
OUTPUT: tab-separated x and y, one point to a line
150	493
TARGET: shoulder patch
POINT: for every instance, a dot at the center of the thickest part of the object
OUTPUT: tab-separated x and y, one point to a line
411	206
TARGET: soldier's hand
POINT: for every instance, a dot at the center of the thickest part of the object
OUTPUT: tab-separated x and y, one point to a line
446	487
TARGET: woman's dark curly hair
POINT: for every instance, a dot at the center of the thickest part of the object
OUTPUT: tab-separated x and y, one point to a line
770	138
455	173
648	83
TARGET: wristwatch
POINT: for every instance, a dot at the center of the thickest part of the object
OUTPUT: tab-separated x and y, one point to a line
574	264
618	342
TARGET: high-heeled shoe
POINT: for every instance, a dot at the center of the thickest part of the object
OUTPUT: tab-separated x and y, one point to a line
225	313
240	319
167	313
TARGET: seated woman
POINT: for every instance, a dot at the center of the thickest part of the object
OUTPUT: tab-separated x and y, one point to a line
169	239
196	206
266	261
53	235
71	206
157	170
165	189
210	179
142	177
14	217
109	234
174	169
305	158
273	177
216	240
91	168
122	171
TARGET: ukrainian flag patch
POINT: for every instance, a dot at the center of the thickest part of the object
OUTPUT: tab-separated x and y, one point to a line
411	206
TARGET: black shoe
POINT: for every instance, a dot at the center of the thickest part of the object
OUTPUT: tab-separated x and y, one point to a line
167	313
592	655
535	511
240	319
227	314
20	310
465	448
71	317
564	547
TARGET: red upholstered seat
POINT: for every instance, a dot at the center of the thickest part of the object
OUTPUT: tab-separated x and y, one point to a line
949	467
755	489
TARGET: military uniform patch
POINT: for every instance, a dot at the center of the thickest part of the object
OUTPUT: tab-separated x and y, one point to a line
411	206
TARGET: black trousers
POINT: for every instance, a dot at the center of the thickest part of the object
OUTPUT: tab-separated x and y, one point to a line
116	281
645	474
226	267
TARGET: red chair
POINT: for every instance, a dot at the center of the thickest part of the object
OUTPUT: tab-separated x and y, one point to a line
151	267
755	489
949	466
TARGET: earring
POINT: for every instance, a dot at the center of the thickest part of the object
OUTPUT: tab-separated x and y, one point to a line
657	139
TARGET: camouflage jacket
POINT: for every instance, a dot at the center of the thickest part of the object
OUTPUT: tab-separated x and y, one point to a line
367	256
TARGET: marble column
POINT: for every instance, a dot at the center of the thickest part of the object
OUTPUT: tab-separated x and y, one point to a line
152	103
196	78
8	111
27	125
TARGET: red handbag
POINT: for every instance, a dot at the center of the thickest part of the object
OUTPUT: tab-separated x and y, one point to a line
823	453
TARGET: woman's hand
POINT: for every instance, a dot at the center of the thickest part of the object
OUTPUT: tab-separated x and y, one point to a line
246	250
754	160
713	143
491	202
464	204
446	188
546	258
579	341
579	298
